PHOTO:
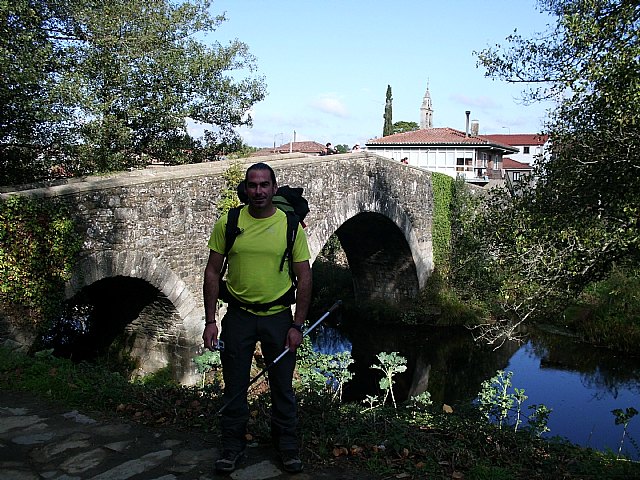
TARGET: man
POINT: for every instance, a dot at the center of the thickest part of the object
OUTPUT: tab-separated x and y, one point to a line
328	149
254	279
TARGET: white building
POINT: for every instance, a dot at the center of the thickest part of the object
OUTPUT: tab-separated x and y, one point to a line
530	145
446	150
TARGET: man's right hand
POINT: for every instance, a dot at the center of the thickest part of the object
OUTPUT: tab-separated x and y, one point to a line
210	336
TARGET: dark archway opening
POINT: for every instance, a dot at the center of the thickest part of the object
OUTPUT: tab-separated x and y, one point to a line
105	318
379	258
332	278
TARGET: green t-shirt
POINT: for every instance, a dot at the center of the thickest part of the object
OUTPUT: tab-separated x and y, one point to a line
253	274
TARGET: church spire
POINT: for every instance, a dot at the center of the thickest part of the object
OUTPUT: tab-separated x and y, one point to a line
426	111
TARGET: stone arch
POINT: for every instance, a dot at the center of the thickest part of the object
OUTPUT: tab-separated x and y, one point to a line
384	253
99	265
107	264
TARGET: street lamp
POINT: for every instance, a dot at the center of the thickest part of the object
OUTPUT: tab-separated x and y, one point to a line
508	129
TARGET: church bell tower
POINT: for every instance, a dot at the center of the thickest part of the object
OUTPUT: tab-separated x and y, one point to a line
426	112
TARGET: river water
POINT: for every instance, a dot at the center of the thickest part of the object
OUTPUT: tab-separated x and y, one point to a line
580	383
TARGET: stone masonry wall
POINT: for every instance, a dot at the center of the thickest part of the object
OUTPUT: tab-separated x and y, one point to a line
154	224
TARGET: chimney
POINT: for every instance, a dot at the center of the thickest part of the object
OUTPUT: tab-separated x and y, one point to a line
475	127
466	130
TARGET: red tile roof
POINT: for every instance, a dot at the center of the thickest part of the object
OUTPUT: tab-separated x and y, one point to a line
516	139
511	164
437	136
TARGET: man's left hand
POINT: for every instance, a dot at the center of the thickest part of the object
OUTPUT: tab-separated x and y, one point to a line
294	339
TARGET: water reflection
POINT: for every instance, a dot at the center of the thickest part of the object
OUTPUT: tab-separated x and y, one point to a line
443	360
581	384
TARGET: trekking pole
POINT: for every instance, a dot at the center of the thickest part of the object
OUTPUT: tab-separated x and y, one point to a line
334	307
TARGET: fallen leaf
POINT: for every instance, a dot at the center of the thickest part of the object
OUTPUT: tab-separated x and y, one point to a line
340	451
447	409
405	452
457	475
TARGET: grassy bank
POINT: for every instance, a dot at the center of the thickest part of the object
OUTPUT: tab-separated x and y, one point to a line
417	439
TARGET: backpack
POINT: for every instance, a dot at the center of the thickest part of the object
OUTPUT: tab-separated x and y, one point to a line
295	206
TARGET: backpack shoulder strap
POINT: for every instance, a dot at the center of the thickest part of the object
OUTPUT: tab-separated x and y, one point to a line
292	232
231	232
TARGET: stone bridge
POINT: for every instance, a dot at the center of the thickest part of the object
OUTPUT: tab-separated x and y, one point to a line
153	225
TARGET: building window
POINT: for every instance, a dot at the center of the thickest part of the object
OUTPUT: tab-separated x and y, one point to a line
516	176
525	150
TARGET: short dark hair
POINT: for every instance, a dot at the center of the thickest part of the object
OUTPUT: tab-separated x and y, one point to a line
261	166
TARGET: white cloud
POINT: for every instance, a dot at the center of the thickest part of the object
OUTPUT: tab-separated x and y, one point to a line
329	103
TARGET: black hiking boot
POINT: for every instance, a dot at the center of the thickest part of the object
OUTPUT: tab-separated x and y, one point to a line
229	461
291	461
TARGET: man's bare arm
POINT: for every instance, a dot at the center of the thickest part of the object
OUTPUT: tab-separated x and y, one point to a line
302	271
210	291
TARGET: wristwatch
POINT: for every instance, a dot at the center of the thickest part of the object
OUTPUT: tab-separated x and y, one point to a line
297	327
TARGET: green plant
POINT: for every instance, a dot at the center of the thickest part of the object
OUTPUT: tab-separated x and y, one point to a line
390	365
390	443
418	406
496	402
519	398
229	195
494	397
322	373
207	362
539	419
441	232
623	417
608	311
39	244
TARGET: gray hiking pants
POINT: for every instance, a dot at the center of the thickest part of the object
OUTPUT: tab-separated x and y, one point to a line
240	332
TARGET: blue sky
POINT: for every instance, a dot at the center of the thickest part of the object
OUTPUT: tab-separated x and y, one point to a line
327	65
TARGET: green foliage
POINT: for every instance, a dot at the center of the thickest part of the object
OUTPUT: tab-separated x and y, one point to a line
242	151
496	402
342	148
441	230
158	379
401	127
397	442
539	419
96	87
623	417
229	195
206	362
321	373
387	129
38	248
62	380
390	365
551	240
495	399
608	312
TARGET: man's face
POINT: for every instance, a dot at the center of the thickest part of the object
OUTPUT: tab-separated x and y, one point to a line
260	188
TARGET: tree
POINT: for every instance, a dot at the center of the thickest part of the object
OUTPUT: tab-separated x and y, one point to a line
583	214
388	126
342	148
32	109
401	127
122	76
